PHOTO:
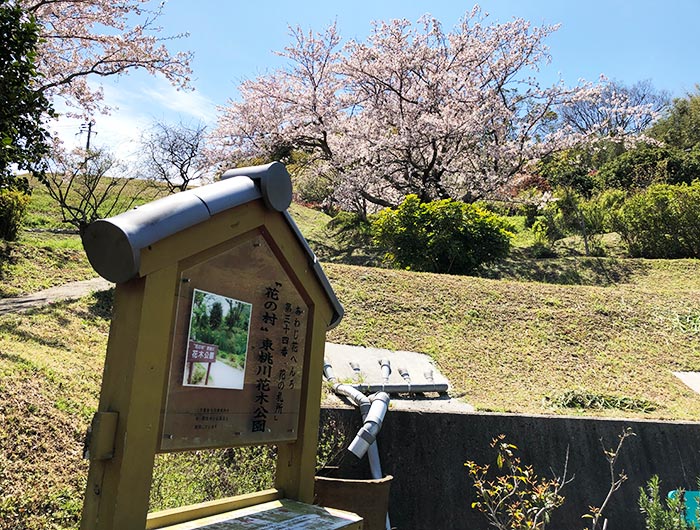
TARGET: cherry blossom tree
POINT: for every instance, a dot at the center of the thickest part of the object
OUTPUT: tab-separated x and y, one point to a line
290	111
84	38
414	109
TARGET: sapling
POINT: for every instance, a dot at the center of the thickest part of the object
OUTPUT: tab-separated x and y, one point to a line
595	514
518	498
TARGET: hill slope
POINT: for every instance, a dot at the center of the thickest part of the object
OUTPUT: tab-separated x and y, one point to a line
508	345
605	331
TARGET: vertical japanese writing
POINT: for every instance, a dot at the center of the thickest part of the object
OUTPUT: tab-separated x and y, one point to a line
281	321
294	347
289	373
265	359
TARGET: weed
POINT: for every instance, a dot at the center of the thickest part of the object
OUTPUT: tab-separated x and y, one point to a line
583	400
689	322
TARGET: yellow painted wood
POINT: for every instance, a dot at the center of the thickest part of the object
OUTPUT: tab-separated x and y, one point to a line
276	515
135	372
198	238
102	432
137	362
206	509
296	462
125	318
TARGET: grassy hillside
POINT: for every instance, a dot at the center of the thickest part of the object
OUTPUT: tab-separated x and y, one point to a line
519	347
604	332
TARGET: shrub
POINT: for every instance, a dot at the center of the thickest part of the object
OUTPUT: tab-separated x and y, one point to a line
443	236
662	222
660	515
571	214
13	206
516	498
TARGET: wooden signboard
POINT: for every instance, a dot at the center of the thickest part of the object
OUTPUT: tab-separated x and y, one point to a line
240	383
217	339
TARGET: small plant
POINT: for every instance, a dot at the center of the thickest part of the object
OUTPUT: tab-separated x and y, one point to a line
198	374
660	514
333	440
517	498
13	206
689	322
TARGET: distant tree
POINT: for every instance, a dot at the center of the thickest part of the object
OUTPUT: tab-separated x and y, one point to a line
84	38
200	317
680	126
23	140
174	154
233	317
216	315
646	164
88	185
611	109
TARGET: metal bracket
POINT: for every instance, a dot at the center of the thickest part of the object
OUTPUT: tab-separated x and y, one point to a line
99	440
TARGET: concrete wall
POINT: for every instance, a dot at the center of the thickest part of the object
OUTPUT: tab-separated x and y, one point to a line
425	452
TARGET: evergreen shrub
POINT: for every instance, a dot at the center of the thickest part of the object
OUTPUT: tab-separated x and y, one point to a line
443	236
662	222
13	206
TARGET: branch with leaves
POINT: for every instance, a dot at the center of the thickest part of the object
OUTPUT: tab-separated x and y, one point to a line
516	499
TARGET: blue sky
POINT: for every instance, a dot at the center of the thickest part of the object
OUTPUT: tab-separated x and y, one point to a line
627	40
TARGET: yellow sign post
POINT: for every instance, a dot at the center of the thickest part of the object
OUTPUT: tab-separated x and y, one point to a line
217	340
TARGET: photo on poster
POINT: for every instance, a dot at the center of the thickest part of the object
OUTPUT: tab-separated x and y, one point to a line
217	341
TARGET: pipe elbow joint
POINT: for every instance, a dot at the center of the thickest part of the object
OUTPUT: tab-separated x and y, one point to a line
373	424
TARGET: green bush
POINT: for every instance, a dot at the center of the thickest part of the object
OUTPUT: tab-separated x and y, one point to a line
442	236
571	214
660	515
13	206
662	222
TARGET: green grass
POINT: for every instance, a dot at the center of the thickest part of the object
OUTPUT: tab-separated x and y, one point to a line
40	260
562	335
49	252
507	345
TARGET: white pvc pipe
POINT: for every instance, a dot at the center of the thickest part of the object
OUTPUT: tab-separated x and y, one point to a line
364	403
386	369
405	388
373	423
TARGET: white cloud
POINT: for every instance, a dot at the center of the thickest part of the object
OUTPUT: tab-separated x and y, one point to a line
192	104
136	102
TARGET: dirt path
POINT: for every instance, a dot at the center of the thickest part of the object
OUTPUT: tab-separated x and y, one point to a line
67	291
223	376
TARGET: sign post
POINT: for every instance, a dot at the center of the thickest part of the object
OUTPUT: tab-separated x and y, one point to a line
199	352
217	340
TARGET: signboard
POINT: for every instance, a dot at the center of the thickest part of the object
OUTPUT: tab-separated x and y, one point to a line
238	351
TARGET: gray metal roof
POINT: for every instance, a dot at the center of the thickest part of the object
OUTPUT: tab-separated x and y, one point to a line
114	245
